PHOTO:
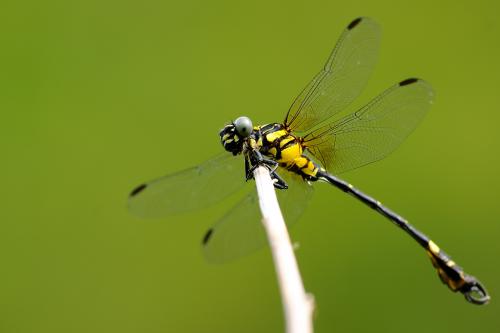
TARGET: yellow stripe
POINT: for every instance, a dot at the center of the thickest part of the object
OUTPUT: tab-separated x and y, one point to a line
275	135
285	141
311	170
433	247
301	161
291	153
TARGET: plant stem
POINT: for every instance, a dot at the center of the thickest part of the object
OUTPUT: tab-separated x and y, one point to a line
297	304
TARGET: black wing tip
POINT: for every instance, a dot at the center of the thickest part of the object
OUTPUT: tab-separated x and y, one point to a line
408	81
354	23
207	236
137	190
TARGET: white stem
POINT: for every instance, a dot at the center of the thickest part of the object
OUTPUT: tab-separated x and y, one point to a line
298	305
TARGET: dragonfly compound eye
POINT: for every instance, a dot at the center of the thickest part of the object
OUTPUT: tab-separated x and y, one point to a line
243	126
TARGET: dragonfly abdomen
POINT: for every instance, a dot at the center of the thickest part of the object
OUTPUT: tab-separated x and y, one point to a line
303	166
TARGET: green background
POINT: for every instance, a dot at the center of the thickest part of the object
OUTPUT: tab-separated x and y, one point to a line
98	96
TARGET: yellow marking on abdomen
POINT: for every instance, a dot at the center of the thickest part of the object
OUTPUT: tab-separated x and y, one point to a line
301	161
311	169
433	247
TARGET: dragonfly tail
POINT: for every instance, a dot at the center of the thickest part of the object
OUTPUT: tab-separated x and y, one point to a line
450	273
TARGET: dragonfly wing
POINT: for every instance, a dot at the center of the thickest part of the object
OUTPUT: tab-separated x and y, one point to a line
294	200
240	231
342	79
190	189
374	131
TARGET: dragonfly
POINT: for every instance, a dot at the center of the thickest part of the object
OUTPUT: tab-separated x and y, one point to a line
314	143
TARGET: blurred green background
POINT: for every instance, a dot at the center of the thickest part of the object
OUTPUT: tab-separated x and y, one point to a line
99	96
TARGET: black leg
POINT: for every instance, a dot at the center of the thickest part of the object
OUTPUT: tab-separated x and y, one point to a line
255	160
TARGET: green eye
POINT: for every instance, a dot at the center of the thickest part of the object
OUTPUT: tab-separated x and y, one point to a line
243	126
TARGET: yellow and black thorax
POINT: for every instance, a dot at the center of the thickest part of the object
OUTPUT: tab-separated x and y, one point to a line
275	141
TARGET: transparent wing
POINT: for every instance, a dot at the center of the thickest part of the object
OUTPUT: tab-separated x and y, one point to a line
342	79
240	231
374	131
190	189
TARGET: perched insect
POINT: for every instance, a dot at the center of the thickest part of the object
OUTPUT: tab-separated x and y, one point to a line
300	150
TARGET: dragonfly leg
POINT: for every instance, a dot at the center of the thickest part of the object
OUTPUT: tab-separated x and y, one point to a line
279	183
255	160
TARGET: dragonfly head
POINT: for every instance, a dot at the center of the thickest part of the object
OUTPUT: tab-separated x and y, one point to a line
234	134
